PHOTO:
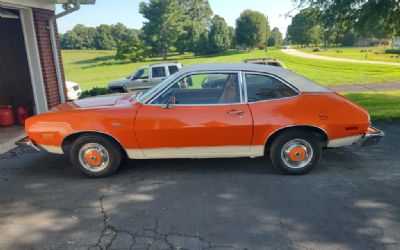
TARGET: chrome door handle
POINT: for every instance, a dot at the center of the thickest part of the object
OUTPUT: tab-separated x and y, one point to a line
235	112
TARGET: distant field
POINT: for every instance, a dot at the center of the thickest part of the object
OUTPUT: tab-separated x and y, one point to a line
91	68
359	53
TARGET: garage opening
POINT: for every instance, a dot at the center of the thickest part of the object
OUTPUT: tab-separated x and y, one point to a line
16	92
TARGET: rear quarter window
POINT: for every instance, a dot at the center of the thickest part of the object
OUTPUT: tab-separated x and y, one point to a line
173	69
158	72
262	88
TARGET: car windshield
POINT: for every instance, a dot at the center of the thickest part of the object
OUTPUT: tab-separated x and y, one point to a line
146	94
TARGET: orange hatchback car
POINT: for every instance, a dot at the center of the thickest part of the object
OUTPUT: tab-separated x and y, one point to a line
206	111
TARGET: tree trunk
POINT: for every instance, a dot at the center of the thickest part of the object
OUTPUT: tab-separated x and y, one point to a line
165	53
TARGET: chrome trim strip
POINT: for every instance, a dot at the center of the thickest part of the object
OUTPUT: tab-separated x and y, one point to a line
92	131
293	126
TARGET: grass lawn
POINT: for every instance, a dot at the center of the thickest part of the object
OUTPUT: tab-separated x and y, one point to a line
381	105
369	53
91	68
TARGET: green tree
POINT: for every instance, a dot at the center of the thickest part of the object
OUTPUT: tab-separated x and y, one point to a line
359	14
164	26
251	28
349	39
232	37
302	23
275	39
316	35
104	39
131	48
219	40
198	18
80	37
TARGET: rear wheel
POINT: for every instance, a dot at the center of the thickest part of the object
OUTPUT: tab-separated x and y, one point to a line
95	155
296	152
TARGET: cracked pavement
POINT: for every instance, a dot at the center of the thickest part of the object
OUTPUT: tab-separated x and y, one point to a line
351	201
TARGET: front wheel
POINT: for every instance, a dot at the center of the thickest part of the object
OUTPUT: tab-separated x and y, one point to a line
296	152
95	155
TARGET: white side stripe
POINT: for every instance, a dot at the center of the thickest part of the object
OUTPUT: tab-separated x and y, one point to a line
197	152
341	142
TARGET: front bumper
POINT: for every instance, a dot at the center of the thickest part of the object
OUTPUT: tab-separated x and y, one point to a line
27	145
372	137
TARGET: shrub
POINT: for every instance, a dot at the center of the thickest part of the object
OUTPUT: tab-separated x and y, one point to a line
261	47
392	51
95	92
316	50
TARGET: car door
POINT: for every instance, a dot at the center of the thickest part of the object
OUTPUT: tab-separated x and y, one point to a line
140	80
158	74
191	119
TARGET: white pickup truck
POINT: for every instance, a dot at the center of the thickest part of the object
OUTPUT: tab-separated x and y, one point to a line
145	77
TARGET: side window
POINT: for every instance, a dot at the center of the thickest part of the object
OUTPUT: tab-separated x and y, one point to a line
142	74
158	72
173	69
198	89
262	87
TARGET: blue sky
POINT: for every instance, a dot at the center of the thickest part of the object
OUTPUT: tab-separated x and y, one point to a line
126	12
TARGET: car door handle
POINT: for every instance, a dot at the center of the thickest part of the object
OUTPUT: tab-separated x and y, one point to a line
235	112
145	80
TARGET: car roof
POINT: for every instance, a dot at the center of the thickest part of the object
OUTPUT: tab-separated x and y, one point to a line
164	64
301	83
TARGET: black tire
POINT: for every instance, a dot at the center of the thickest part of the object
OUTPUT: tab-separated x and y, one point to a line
112	150
125	89
292	138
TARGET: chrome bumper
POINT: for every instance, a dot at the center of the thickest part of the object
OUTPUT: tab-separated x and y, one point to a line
27	144
372	137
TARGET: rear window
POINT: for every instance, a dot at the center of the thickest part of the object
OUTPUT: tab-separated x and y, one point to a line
158	72
173	69
262	87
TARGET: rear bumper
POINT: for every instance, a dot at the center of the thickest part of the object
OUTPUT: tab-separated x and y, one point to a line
27	145
372	137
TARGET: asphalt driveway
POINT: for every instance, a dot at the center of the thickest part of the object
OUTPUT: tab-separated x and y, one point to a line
352	201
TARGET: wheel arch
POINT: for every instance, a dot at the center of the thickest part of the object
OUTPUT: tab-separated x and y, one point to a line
320	132
69	139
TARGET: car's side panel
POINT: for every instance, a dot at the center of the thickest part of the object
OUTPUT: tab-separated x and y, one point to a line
332	113
194	126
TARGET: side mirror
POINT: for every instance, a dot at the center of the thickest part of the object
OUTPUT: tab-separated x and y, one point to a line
171	102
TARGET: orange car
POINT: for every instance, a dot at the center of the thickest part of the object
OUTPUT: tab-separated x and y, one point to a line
206	111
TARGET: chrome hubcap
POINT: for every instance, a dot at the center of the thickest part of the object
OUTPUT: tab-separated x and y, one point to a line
94	157
297	153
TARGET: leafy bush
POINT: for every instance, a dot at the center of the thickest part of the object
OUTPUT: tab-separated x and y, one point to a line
95	92
392	51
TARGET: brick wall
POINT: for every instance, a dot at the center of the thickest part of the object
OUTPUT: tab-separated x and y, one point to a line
41	21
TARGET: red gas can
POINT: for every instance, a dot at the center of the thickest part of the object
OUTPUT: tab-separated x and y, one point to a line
23	113
6	116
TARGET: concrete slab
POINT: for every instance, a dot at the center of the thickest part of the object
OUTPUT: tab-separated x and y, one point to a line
8	137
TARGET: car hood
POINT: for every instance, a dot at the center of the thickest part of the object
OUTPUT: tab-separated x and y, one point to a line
97	102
